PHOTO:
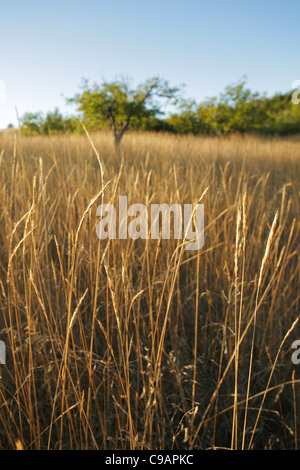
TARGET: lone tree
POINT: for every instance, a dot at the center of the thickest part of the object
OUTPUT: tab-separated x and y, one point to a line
118	105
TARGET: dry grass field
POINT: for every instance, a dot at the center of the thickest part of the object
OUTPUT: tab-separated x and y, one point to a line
141	344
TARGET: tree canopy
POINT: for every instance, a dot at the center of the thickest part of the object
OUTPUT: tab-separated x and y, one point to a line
237	109
117	105
51	123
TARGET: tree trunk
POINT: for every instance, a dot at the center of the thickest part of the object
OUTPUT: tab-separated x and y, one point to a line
117	141
118	135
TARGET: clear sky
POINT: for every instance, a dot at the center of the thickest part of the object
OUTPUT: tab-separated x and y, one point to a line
48	47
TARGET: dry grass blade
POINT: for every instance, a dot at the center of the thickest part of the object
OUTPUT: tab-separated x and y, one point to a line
121	344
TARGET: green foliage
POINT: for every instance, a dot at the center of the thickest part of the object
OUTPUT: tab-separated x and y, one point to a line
52	123
238	110
187	121
117	106
32	123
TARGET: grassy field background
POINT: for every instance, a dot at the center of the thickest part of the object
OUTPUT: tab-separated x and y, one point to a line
141	344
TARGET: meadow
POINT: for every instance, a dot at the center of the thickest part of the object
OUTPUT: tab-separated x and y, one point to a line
141	344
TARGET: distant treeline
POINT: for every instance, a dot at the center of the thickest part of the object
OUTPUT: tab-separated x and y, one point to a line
237	110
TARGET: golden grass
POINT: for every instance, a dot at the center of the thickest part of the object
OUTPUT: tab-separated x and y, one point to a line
141	344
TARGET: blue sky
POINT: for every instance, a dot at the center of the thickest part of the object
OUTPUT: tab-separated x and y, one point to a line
48	47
